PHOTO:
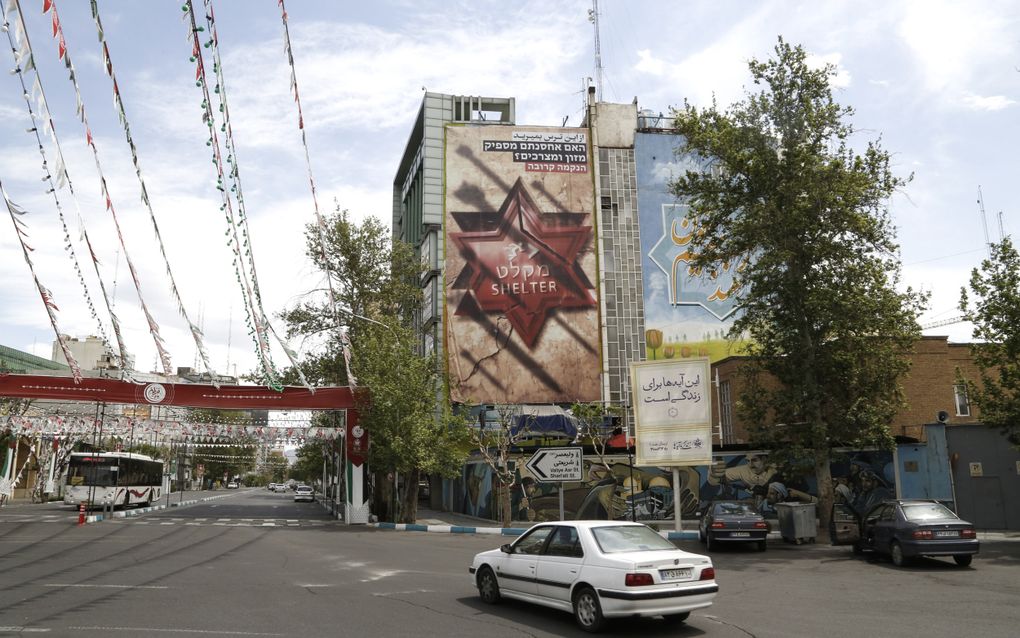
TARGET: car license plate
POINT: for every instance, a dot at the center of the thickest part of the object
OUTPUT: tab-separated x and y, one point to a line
946	533
675	574
740	534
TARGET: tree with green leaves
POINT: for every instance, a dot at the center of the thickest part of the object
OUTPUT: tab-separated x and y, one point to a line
800	218
995	313
591	428
373	283
494	441
308	467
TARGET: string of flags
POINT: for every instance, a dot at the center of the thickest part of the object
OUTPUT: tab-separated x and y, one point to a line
25	62
239	239
127	428
44	292
241	250
62	54
320	224
234	174
118	103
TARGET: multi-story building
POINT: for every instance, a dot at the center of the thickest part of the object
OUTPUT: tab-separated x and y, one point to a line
91	353
557	257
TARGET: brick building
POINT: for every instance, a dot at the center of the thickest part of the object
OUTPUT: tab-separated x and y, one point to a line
930	386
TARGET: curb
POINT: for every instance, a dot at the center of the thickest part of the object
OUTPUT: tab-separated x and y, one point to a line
499	531
96	518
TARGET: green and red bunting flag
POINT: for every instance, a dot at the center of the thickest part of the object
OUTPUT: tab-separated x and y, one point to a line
44	292
238	234
24	62
118	102
320	224
253	318
204	434
58	33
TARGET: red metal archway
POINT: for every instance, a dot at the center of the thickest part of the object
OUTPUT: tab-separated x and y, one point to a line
197	395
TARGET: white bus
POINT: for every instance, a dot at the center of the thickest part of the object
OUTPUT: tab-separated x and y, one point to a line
118	478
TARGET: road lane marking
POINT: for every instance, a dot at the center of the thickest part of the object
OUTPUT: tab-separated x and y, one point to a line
144	630
22	630
86	585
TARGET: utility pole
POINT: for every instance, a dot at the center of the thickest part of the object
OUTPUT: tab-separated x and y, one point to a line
593	17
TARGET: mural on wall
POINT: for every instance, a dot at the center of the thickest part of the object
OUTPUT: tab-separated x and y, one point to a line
612	490
687	311
521	308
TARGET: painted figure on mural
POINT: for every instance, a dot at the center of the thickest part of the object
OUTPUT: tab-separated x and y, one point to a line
477	485
753	476
617	490
872	492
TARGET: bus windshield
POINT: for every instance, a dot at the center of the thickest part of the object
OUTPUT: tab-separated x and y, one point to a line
92	471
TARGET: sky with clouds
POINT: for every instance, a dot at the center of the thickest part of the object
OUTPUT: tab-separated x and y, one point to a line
937	81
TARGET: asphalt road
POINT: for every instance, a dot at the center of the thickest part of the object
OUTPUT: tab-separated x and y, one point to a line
254	563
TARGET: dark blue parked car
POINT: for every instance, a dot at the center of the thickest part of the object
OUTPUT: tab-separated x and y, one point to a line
904	529
732	522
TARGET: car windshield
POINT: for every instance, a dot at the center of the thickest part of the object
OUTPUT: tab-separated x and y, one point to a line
735	509
926	512
629	538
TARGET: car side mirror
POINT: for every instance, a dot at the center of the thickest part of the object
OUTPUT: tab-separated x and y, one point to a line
505	548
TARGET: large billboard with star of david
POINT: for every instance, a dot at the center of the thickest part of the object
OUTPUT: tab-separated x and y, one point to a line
687	312
521	311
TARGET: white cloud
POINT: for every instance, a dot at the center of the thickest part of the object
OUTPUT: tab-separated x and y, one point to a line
648	63
841	79
987	103
951	40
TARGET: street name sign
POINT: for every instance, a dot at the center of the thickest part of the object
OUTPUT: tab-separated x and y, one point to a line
553	464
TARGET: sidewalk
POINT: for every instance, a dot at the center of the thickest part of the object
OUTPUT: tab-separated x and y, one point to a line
448	522
429	520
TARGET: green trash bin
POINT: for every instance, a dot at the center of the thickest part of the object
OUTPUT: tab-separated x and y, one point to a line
797	522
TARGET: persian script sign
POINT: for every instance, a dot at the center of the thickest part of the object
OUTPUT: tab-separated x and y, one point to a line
556	464
673	412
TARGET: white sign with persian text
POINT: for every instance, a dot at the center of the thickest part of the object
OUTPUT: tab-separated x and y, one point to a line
672	412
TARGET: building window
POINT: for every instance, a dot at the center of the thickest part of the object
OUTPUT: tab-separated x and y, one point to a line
431	301
962	403
725	412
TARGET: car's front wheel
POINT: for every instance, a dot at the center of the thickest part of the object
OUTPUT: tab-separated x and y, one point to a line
963	559
488	586
898	557
588	610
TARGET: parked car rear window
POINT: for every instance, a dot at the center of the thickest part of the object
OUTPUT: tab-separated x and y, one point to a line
735	509
629	538
926	511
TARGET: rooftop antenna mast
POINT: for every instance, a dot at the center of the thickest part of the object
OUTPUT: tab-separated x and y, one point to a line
1002	234
593	17
984	221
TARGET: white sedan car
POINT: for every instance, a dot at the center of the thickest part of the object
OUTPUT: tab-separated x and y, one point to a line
597	570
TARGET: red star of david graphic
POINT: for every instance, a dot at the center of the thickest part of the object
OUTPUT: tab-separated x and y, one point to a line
525	268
